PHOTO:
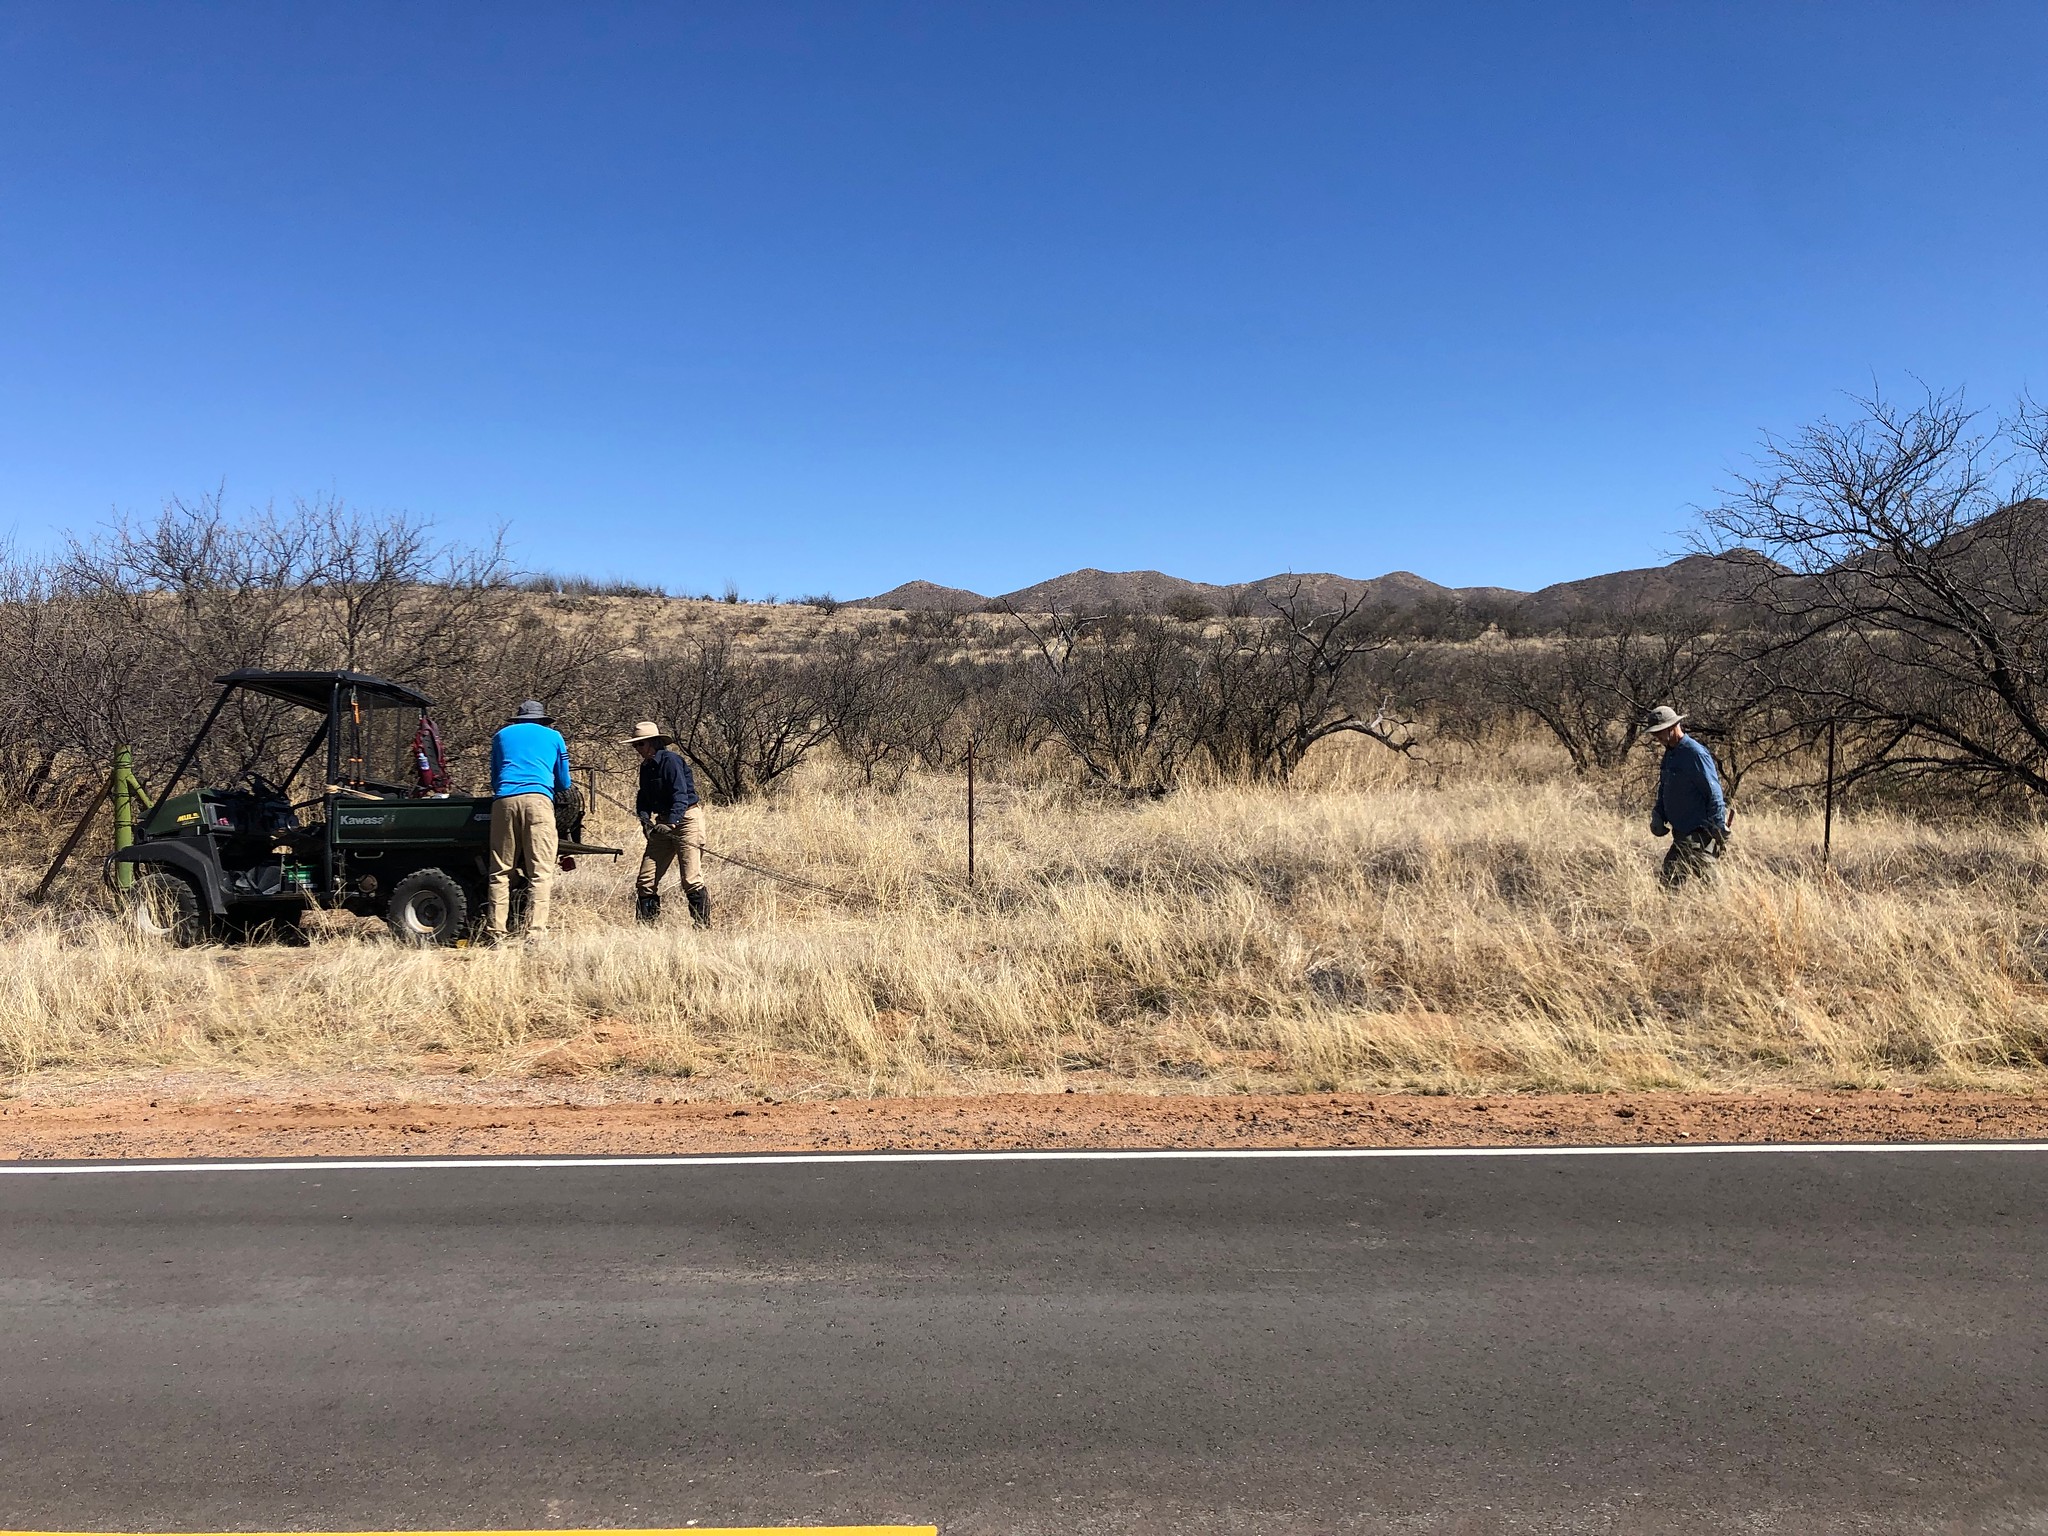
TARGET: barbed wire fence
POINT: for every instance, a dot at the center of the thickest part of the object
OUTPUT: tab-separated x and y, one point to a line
866	898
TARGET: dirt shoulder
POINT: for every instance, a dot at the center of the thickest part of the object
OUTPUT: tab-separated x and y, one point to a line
261	1126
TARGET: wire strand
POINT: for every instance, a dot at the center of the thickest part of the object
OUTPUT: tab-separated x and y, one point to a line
762	869
797	880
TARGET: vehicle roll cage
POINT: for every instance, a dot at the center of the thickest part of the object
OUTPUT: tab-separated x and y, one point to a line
340	698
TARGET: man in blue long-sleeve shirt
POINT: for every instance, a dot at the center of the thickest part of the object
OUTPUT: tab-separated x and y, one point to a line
673	819
529	770
1690	805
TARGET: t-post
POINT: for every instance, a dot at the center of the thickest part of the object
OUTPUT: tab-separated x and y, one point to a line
970	809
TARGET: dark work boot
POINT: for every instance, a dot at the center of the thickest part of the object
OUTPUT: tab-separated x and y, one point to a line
647	908
700	905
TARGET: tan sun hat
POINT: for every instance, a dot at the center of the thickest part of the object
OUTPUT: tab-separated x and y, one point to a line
646	730
1662	718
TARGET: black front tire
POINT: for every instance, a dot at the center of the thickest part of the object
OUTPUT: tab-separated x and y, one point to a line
429	907
165	909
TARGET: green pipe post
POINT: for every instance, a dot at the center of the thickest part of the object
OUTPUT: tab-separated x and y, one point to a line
124	813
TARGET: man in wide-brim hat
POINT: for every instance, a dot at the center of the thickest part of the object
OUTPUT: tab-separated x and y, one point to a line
529	770
1690	805
673	819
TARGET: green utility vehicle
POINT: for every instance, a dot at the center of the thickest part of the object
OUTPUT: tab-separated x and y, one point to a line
383	835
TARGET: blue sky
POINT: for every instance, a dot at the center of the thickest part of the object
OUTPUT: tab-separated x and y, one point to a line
825	297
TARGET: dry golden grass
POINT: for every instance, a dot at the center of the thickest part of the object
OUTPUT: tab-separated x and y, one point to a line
1373	929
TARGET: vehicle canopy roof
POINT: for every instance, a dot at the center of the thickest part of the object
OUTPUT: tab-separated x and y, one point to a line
315	690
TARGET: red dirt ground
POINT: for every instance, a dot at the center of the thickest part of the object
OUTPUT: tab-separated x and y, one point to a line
220	1125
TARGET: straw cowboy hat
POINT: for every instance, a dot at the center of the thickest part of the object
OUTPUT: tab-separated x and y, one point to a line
1662	718
646	730
533	712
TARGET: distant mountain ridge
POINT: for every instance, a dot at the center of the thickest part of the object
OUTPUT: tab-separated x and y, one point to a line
1704	580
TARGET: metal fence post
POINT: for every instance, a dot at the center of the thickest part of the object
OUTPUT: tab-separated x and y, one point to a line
970	810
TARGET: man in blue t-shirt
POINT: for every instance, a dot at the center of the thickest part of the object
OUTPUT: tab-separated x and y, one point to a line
1690	805
529	768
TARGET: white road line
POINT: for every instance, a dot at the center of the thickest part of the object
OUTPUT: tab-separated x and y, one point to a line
1157	1155
687	1530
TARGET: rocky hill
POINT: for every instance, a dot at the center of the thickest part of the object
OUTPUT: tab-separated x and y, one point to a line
1396	589
925	595
1703	581
1140	591
1698	581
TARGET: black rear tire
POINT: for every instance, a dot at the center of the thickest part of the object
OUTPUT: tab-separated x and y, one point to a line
165	908
429	907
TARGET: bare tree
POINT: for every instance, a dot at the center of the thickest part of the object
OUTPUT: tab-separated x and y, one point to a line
1274	685
1900	557
1591	687
1113	690
117	641
36	729
388	597
744	720
156	608
522	654
890	701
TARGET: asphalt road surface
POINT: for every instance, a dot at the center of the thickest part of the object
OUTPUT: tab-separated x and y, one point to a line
1790	1341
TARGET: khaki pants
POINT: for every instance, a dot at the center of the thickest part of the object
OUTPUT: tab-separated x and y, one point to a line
667	844
522	836
1695	856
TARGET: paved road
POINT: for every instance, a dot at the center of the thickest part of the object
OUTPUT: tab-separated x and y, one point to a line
1795	1342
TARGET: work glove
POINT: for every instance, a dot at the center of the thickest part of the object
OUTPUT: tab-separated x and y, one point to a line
1657	827
646	821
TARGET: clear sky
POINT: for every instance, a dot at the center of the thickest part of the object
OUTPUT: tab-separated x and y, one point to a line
828	296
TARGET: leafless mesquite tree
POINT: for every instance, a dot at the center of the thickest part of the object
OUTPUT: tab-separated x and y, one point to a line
1134	697
1113	690
1902	559
1270	687
117	639
891	701
744	720
138	618
35	685
387	595
1591	686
